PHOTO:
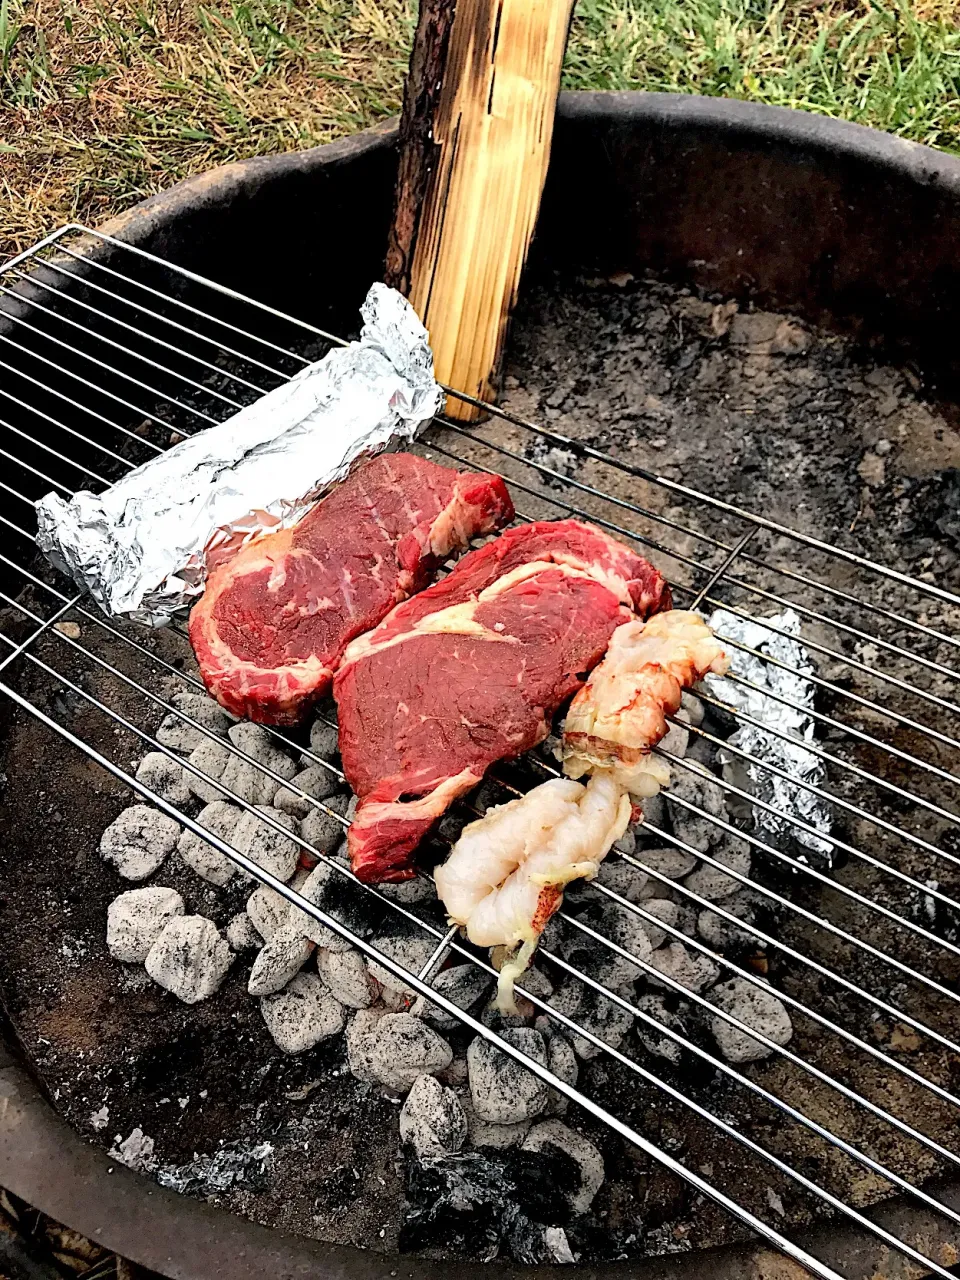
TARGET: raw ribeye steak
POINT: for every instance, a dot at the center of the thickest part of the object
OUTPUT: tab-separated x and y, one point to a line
471	671
273	622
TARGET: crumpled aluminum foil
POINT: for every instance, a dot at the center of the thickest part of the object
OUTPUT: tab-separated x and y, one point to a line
144	546
803	765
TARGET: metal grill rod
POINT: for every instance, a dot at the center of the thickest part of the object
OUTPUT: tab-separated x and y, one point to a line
497	411
577	446
92	386
809	643
706	858
872	906
118	373
756	1224
804	611
816	790
827	756
168	298
253	868
629	906
665	550
276	777
140	333
725	870
796	908
642	473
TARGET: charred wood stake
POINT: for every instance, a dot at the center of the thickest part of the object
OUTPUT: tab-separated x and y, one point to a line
475	142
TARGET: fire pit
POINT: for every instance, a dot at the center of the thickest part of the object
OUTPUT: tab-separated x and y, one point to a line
739	362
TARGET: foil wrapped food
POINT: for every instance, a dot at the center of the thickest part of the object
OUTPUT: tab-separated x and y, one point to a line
143	547
786	749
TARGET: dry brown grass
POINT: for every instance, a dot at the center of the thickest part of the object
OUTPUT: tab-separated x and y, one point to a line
104	104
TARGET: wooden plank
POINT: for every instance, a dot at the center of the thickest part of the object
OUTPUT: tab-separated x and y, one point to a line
492	76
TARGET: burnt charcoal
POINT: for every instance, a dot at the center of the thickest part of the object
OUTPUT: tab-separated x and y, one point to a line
482	1202
459	1202
943	492
526	1241
544	1182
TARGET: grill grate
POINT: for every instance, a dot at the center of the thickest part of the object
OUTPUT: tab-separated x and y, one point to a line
103	366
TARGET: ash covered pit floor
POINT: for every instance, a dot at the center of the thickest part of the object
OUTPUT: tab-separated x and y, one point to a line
755	408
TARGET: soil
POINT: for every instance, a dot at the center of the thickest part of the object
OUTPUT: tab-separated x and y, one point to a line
752	408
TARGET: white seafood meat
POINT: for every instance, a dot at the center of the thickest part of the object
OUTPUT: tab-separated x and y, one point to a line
504	877
619	715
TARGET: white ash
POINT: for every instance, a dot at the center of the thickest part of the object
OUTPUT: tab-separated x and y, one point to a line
404	1048
693	707
241	933
395	1001
302	1014
324	741
265	845
665	910
240	777
317	782
723	934
410	951
209	758
691	969
432	1120
713	884
484	1133
337	896
165	777
136	919
136	1151
268	911
757	1007
670	862
589	1162
617	875
558	1246
562	1061
360	1039
221	819
233	1165
789	753
347	976
189	959
321	828
502	1090
279	959
695	785
602	1017
138	841
677	738
100	1119
245	779
174	732
653	1039
464	985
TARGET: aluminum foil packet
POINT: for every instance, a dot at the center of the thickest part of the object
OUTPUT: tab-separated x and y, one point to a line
785	753
143	547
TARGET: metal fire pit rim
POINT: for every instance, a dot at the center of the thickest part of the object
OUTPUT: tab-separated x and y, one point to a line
49	1165
46	1162
761	122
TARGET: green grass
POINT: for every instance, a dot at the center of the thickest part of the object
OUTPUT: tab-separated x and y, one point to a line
103	102
876	63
